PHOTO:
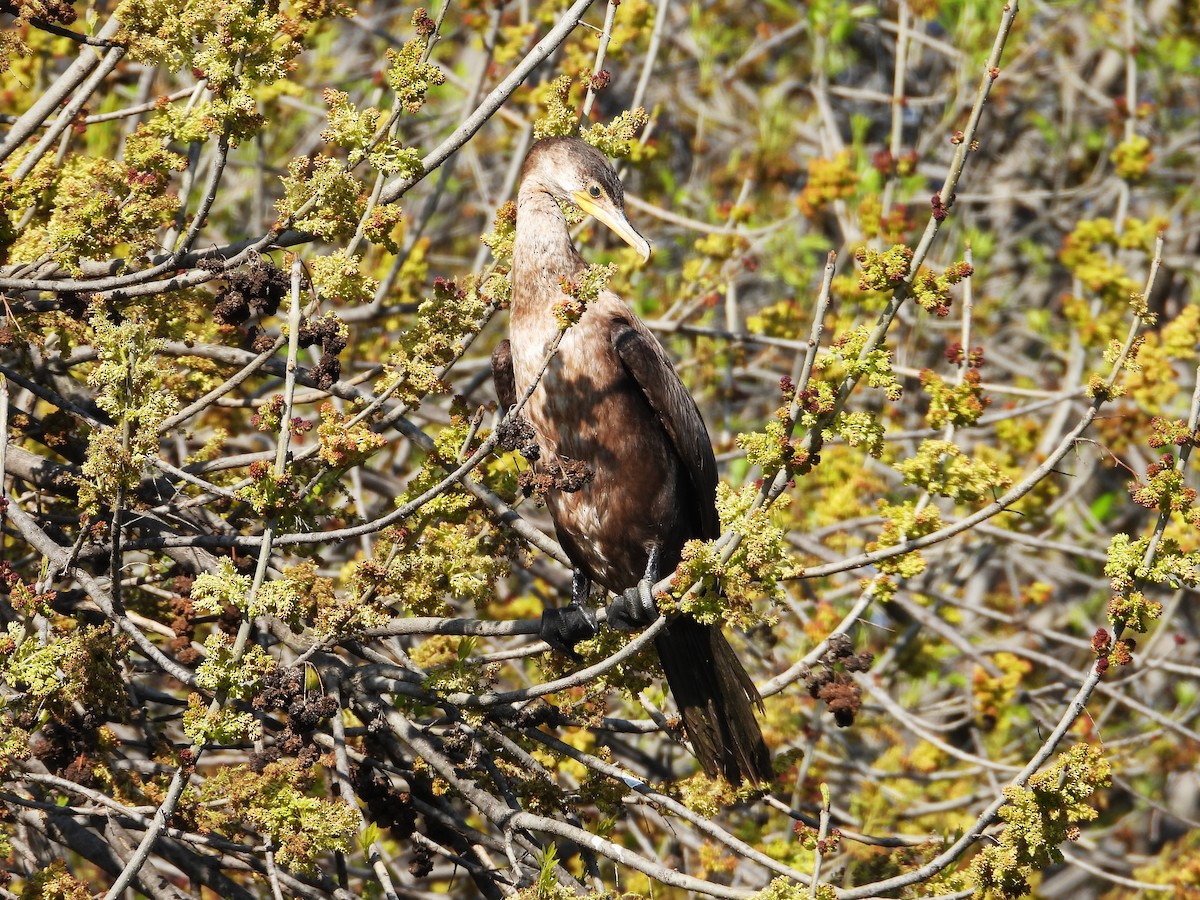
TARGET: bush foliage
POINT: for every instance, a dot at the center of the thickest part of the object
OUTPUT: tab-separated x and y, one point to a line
270	582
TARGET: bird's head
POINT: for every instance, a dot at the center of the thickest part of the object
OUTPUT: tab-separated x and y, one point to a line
574	171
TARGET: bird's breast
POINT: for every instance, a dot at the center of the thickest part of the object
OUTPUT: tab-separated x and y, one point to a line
587	409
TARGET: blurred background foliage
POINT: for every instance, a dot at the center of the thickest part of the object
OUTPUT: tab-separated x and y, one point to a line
273	611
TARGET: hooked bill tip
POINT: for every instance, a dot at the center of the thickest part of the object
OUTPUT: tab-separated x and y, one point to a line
615	219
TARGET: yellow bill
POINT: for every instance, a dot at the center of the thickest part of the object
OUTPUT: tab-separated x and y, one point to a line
614	219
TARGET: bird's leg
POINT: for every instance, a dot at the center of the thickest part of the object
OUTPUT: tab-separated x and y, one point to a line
635	608
564	627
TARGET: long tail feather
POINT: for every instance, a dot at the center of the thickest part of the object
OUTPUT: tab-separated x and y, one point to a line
716	698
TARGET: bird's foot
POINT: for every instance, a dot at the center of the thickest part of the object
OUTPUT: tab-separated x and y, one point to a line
634	609
565	626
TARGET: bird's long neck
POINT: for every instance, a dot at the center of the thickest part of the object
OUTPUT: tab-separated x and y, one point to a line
542	252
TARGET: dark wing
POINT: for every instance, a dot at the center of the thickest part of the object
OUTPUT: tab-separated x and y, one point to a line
503	377
647	363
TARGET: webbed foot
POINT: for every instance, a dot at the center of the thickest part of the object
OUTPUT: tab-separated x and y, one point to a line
565	626
635	608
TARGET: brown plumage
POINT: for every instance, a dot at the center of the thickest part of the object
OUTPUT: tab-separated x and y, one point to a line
612	400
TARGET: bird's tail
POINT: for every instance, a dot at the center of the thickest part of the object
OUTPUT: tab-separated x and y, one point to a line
716	698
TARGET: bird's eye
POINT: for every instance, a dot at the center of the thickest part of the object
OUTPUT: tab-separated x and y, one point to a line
594	190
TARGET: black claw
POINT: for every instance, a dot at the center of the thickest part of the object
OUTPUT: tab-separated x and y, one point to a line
564	627
634	609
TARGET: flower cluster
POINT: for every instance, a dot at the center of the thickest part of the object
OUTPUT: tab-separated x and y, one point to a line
942	468
1039	818
828	180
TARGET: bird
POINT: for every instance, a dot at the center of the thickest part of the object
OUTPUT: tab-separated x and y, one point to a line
611	407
